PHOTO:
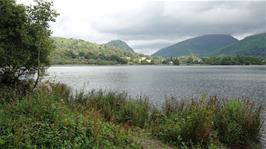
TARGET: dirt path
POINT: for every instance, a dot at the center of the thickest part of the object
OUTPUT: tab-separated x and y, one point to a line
154	144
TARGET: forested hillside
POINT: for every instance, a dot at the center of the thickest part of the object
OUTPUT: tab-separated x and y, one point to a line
74	51
254	45
119	44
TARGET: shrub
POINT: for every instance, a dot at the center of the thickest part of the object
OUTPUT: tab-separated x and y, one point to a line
134	113
9	93
238	121
184	123
202	122
43	120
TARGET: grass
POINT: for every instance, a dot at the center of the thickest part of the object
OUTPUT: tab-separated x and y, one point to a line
113	106
44	120
231	123
99	119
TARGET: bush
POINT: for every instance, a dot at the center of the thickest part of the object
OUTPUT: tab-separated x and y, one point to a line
203	122
184	123
134	113
11	93
238	122
44	120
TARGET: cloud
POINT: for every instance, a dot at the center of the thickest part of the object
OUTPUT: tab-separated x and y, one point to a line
150	25
171	19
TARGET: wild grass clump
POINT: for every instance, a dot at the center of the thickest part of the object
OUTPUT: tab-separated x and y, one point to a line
233	123
114	106
238	121
44	120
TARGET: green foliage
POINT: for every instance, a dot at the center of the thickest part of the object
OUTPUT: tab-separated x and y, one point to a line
250	46
219	60
24	34
72	51
119	44
11	93
176	61
53	118
233	60
208	121
183	123
44	120
116	107
238	122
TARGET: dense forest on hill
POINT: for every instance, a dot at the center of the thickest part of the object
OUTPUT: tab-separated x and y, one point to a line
120	44
74	51
254	45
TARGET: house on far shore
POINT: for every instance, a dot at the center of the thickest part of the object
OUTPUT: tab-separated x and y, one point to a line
144	60
170	63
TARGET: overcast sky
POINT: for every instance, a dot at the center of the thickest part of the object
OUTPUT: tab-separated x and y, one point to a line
150	25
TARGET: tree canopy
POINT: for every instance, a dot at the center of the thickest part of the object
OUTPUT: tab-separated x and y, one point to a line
24	39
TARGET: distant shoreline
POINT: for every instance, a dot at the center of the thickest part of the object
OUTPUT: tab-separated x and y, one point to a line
146	65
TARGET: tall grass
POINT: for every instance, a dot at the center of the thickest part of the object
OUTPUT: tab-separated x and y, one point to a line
114	106
232	122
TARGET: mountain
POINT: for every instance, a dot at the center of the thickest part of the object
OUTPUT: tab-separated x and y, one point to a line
75	51
205	45
254	45
119	44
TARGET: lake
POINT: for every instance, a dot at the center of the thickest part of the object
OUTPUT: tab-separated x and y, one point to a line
158	82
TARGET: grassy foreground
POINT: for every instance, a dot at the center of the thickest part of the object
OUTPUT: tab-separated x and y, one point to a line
55	119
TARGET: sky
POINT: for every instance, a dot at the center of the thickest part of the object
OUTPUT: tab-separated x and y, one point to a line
148	25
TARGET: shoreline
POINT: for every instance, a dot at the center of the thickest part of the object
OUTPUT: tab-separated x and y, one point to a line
53	65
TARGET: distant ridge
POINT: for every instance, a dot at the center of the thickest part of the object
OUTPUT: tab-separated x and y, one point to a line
254	45
119	44
204	45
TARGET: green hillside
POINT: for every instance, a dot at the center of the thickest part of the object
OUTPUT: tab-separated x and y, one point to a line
119	44
74	51
205	45
254	45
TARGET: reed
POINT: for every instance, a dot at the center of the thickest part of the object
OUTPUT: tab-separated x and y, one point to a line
207	120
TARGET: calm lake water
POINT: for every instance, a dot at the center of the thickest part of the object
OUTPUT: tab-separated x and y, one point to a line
157	82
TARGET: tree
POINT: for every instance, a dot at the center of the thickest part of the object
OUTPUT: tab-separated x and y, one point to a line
24	39
176	61
190	60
